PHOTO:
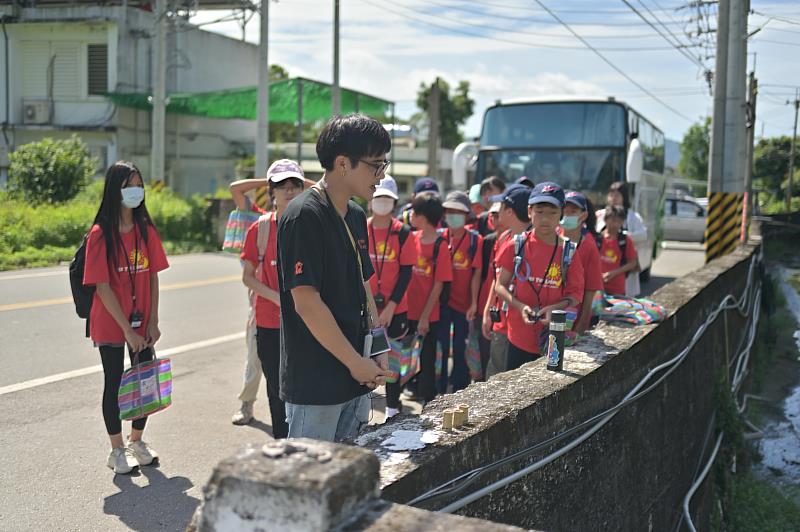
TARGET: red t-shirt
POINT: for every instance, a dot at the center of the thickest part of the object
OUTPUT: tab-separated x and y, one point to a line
505	239
422	277
611	259
387	257
589	257
268	314
150	259
463	268
548	279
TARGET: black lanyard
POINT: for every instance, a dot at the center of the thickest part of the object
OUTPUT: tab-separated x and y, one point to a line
379	264
544	276
132	275
460	240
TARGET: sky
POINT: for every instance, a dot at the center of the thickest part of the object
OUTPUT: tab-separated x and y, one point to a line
515	49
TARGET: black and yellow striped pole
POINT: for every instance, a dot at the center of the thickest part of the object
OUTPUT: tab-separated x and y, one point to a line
157	185
262	198
723	223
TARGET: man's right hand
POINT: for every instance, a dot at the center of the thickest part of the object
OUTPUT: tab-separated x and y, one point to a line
367	373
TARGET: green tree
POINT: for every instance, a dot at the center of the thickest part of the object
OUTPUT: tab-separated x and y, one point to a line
694	151
277	73
454	109
771	164
50	171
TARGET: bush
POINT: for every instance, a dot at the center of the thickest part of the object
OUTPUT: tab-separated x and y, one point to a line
50	171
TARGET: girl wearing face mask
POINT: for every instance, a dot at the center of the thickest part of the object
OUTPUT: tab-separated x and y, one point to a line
123	257
466	254
578	224
393	254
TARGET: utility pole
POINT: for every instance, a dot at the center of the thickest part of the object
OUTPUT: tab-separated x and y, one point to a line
262	102
729	152
716	157
336	98
748	172
159	113
792	152
433	130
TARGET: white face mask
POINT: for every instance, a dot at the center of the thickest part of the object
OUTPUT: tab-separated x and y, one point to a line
382	206
132	197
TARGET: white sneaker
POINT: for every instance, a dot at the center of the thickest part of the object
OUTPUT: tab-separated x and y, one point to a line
244	415
121	460
390	413
142	452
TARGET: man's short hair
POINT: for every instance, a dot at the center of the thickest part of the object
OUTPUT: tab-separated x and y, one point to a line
429	205
614	211
355	136
493	182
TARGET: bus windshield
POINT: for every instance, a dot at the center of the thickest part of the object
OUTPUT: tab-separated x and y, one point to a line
588	170
555	125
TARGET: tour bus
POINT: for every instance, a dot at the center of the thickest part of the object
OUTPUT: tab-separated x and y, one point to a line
583	144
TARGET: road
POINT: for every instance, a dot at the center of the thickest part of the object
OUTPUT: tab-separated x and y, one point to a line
53	440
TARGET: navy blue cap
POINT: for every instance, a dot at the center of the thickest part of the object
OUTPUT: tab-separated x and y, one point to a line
576	198
425	184
516	197
527	181
547	192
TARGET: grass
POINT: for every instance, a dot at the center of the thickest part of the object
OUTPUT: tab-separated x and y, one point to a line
758	506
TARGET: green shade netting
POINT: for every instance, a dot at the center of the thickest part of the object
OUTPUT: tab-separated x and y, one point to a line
241	103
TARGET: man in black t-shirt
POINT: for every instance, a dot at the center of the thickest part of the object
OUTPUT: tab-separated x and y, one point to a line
326	303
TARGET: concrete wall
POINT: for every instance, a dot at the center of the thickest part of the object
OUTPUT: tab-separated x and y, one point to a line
631	475
634	473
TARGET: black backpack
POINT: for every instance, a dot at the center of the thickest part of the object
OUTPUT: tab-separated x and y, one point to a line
82	295
622	242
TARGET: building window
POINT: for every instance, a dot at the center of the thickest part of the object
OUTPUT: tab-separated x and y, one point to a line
97	69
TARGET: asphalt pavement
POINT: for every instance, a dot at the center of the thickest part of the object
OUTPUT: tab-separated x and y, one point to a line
52	465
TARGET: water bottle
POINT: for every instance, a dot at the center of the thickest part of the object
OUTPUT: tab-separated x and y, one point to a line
555	340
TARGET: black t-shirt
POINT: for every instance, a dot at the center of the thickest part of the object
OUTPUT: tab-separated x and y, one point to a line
315	250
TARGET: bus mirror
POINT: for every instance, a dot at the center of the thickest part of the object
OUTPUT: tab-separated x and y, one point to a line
463	157
635	163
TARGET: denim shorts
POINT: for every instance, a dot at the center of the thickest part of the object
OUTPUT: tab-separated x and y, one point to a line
337	422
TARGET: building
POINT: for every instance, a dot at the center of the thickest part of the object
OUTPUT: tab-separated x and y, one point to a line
59	59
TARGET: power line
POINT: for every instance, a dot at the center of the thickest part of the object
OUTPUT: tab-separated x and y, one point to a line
534	10
384	7
612	65
677	46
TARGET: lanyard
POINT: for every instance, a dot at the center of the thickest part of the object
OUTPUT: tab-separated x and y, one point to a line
379	264
132	275
457	246
544	276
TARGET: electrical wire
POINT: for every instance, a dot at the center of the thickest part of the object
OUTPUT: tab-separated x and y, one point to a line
612	65
416	18
463	481
678	44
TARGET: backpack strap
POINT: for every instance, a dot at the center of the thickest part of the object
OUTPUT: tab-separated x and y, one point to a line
264	227
436	245
403	234
519	251
566	259
473	243
622	241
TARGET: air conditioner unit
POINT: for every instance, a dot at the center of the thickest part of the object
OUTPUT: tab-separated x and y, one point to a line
35	111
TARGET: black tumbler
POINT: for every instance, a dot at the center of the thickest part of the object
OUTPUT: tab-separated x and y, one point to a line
555	340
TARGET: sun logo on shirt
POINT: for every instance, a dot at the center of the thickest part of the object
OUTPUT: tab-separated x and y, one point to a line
611	255
554	274
141	258
385	252
424	267
460	260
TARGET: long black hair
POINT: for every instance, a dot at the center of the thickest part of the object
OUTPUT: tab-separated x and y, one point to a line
591	219
118	176
622	188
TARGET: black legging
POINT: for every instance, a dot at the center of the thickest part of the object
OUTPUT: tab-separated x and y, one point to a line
269	353
113	367
517	357
426	378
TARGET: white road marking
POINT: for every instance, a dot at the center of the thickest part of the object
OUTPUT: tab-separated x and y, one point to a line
33	383
32	275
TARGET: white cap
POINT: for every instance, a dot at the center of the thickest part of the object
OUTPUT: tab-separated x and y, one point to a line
386	187
495	207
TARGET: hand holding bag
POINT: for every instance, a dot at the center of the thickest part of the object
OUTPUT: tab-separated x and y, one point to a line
146	388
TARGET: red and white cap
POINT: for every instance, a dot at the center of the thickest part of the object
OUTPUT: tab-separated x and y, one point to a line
283	169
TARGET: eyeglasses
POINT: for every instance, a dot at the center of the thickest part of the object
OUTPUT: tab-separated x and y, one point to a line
379	167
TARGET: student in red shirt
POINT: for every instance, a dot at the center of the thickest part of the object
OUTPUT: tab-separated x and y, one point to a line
392	251
428	279
285	181
123	257
538	278
514	220
578	225
466	250
616	263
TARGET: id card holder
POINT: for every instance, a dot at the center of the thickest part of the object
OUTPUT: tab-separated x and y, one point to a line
379	343
136	319
367	345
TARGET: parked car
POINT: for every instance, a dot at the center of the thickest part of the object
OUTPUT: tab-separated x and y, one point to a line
684	219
